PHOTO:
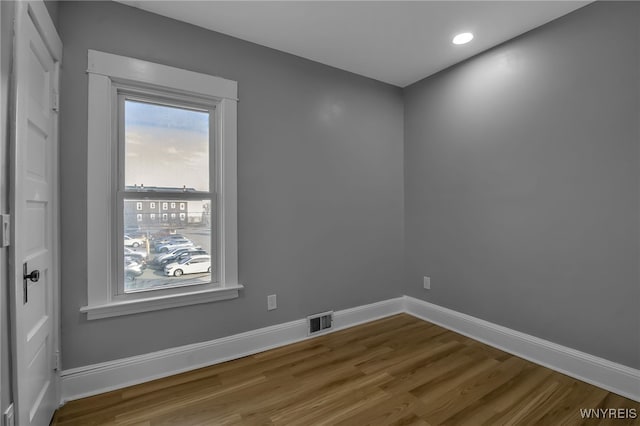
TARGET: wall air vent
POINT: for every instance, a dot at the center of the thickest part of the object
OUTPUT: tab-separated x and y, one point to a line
319	323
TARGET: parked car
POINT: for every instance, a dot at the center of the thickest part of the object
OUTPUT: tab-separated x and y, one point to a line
135	254
167	247
171	256
132	270
167	239
130	241
192	265
141	262
136	234
182	256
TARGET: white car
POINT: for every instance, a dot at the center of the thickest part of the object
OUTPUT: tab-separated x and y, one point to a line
190	265
133	242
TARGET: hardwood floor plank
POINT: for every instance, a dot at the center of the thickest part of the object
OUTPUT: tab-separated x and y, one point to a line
564	411
517	389
435	388
395	371
460	397
324	401
398	408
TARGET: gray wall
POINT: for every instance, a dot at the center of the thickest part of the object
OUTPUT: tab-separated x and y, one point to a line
522	183
320	183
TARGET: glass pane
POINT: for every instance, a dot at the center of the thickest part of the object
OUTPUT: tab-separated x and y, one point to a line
167	246
166	148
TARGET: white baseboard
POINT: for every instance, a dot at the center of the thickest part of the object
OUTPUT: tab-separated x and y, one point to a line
99	378
600	372
107	376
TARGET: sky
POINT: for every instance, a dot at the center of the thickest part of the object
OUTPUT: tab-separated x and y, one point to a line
166	146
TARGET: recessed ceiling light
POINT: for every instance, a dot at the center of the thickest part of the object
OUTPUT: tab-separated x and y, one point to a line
463	38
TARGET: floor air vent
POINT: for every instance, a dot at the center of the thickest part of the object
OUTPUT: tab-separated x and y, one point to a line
319	322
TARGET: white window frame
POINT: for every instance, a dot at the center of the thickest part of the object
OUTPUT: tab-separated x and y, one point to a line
106	71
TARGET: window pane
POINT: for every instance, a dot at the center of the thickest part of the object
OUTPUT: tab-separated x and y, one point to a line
167	249
166	148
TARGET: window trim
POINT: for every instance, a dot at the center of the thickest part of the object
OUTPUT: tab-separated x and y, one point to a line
105	72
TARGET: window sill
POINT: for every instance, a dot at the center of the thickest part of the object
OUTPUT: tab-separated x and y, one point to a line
129	307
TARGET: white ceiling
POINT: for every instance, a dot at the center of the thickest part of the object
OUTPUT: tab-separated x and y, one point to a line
397	42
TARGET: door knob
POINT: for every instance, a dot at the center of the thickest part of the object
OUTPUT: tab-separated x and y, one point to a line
34	276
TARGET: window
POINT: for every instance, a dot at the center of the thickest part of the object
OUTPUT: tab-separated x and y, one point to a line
169	137
155	128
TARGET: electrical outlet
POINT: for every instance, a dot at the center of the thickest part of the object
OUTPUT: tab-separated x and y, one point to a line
8	416
272	303
427	283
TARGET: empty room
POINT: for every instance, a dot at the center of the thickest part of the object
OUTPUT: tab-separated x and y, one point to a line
319	213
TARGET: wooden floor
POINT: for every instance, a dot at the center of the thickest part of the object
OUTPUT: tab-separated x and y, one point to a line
395	371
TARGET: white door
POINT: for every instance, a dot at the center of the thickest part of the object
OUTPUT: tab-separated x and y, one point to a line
37	55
